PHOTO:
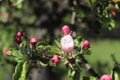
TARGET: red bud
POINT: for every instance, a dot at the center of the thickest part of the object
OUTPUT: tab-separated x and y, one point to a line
113	12
65	29
19	34
33	40
6	52
18	40
56	58
5	15
71	61
106	77
85	44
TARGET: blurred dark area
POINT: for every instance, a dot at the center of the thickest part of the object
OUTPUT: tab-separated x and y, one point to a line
52	15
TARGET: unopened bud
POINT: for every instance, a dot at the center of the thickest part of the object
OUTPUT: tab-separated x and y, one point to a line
6	52
18	40
33	40
85	44
19	34
56	58
106	77
65	29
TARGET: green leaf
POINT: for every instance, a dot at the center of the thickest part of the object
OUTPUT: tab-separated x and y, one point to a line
49	49
104	19
24	71
89	78
67	18
118	3
54	49
17	1
111	24
116	73
41	63
57	43
77	41
22	48
73	73
93	78
32	19
86	51
108	21
86	78
18	70
72	8
19	6
76	75
80	13
69	72
16	55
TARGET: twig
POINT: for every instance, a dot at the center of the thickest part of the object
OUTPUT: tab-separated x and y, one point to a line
88	67
84	61
73	17
73	13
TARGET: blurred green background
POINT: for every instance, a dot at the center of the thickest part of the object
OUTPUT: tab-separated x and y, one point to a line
44	19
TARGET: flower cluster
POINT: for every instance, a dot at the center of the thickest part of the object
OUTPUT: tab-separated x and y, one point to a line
67	42
18	37
69	52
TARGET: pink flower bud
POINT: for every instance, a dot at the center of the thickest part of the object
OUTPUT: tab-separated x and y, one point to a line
106	77
19	34
6	52
113	12
67	43
33	40
85	44
18	40
65	29
5	15
56	58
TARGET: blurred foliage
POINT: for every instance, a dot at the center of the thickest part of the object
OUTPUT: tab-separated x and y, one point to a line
51	14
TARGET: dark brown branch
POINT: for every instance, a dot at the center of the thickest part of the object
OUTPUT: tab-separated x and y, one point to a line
88	67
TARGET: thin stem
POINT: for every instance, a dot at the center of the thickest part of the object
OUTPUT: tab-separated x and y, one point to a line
88	67
73	13
73	17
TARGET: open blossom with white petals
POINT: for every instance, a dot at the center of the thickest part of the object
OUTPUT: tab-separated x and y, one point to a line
67	43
